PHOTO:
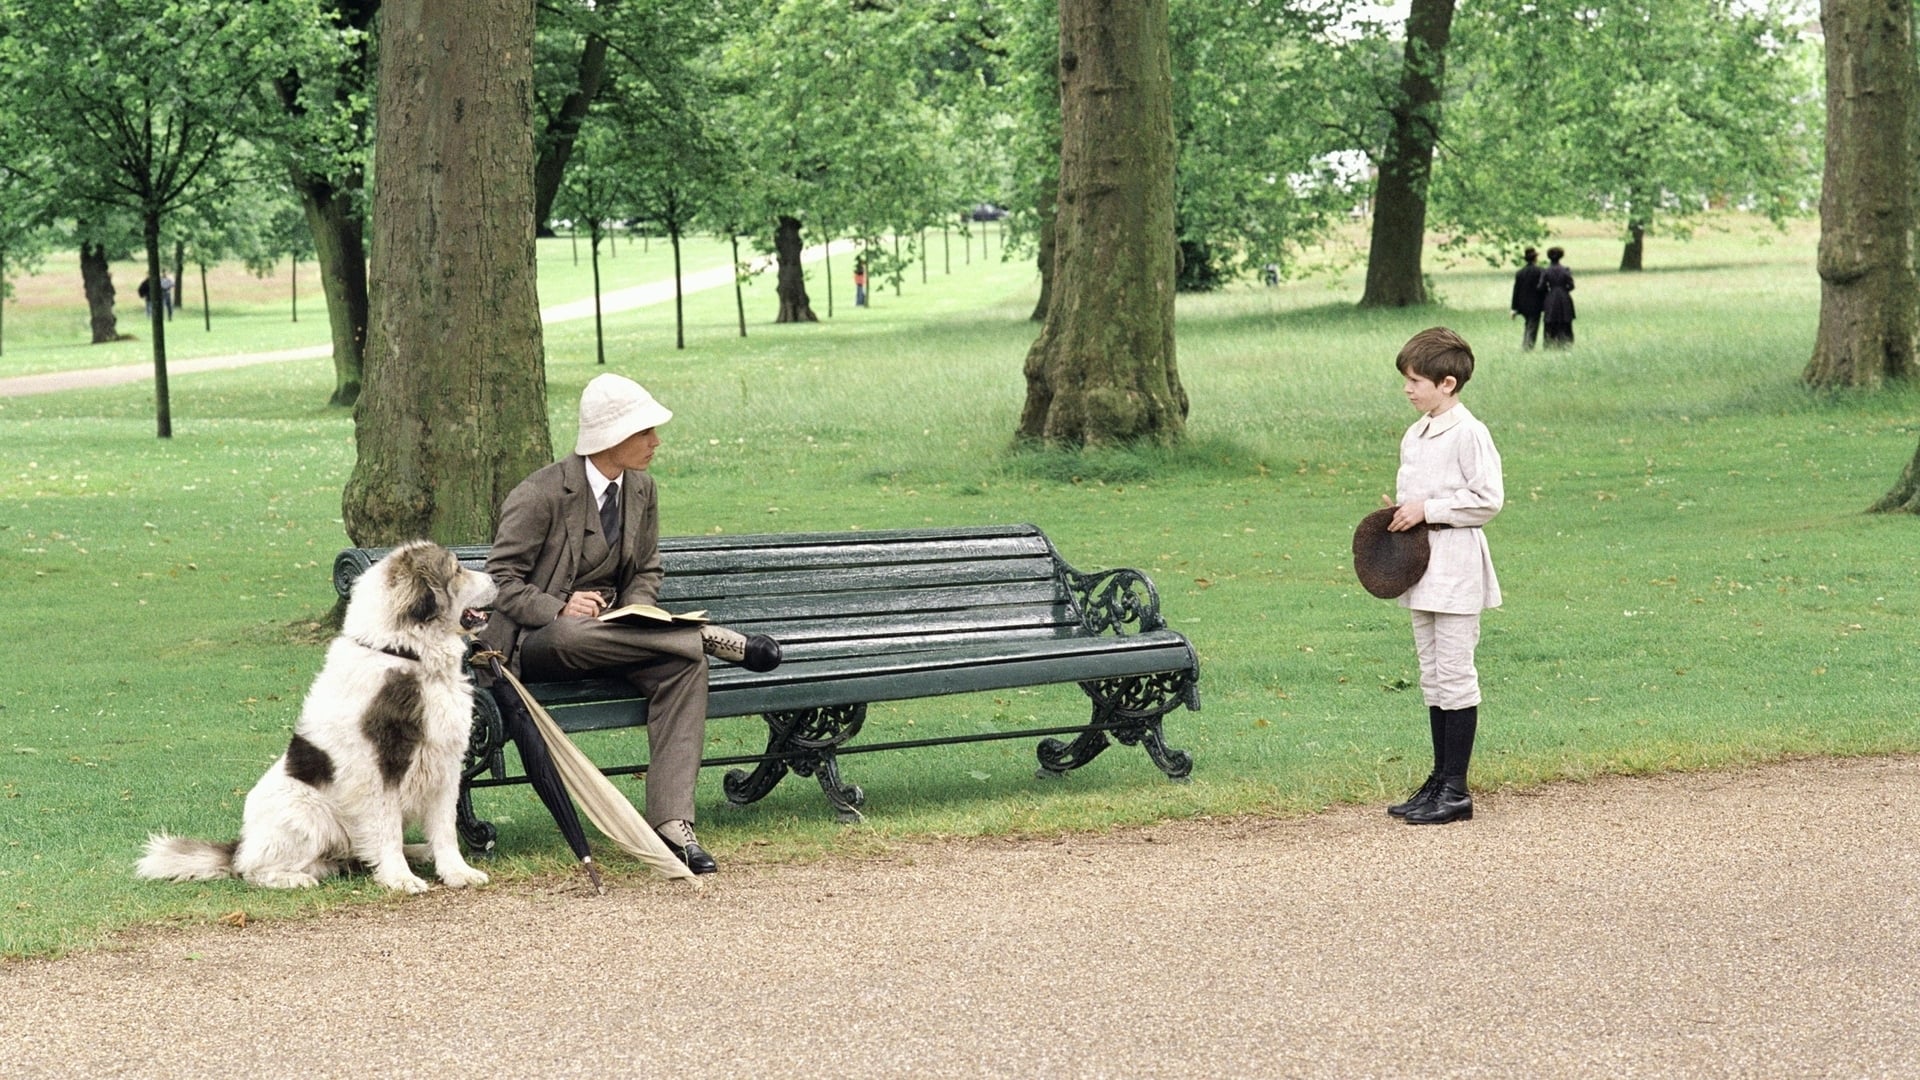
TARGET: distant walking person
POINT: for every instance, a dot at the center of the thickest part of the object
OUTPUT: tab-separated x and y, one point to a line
166	291
1556	286
860	283
1528	298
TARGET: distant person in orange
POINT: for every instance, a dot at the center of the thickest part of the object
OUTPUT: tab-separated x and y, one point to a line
860	283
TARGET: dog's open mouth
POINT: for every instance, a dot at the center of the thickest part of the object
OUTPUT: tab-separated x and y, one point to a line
472	619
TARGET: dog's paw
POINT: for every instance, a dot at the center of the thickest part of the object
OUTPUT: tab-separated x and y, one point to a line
460	877
410	883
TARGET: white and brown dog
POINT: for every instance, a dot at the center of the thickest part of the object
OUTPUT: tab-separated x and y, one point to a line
378	747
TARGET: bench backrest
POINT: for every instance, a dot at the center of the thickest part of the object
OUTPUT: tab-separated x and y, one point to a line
878	591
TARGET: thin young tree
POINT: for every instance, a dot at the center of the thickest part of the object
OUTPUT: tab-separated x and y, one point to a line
148	100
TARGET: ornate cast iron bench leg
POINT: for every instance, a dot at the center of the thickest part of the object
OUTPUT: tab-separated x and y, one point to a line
483	755
803	741
1130	710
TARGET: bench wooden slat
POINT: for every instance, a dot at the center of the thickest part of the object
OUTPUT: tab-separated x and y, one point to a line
906	630
996	605
698	589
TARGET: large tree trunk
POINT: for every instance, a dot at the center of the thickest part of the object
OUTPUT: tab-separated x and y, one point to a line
454	410
1868	312
791	279
1400	197
1102	371
339	244
97	279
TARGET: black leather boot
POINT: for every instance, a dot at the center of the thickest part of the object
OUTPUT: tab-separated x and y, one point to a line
1419	798
1426	792
1452	802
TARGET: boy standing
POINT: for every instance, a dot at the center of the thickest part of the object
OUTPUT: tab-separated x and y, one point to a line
1449	482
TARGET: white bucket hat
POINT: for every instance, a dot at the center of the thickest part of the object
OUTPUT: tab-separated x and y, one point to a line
613	408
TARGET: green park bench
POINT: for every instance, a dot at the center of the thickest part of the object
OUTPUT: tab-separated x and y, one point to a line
881	616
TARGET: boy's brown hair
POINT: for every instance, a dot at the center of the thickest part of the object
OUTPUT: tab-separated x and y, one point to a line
1436	353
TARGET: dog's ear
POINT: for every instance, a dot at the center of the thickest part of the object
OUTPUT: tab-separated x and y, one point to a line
425	606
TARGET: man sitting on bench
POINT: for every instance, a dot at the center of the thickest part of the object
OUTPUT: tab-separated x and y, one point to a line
580	537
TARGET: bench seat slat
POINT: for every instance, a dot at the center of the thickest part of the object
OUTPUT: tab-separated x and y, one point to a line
899	676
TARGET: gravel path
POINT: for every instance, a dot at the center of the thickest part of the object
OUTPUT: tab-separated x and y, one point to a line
1764	922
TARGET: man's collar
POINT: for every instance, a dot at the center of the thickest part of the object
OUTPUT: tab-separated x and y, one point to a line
596	482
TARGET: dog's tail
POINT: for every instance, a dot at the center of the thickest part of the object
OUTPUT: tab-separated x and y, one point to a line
180	858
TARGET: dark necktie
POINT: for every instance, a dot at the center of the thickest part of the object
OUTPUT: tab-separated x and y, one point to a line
610	515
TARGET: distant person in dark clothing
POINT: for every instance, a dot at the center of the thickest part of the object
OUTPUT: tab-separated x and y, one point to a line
1528	297
1556	286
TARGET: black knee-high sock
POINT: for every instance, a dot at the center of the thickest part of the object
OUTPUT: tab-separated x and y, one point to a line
1437	720
1457	741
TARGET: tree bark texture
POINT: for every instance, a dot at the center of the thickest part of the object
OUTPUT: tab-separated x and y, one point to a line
1044	259
1102	371
1394	278
97	279
1869	313
339	244
453	411
791	287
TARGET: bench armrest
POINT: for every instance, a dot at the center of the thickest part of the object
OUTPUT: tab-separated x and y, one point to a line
1111	599
350	564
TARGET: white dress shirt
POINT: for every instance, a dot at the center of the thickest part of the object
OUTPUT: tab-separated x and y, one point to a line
1449	461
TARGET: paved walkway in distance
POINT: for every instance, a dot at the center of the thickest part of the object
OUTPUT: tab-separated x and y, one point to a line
655	292
1756	923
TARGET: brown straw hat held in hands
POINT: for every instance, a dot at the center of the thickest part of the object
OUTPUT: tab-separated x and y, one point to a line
1389	563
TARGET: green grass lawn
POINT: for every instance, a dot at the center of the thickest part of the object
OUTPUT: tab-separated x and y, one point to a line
1690	579
46	329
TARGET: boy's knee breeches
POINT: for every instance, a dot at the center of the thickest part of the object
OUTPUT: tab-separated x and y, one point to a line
1445	644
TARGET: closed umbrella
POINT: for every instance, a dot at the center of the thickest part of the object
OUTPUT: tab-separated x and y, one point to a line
557	769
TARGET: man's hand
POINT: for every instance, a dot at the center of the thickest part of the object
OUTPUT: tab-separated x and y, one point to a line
1409	515
584	605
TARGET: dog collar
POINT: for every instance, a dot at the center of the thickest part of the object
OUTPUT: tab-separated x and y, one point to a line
400	651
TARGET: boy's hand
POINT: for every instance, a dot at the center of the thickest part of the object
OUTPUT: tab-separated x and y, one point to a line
1409	515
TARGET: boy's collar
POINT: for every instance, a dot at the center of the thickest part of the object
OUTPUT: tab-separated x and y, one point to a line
1446	421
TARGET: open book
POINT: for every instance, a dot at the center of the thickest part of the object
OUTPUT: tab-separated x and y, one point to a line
647	613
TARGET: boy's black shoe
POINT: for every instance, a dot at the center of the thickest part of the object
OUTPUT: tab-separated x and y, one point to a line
1419	798
1450	803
